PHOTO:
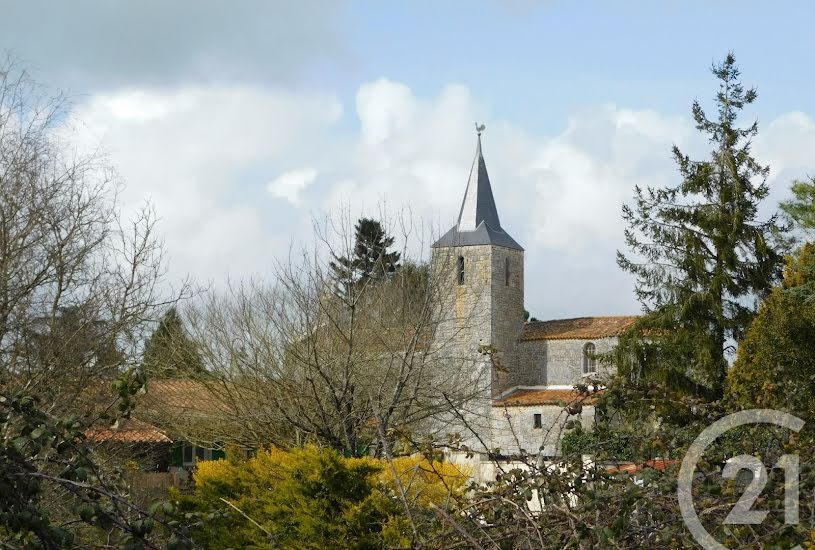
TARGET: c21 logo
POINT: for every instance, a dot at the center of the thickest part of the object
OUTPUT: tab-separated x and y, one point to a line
742	513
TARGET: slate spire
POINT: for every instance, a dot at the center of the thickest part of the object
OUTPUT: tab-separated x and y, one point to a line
478	205
478	221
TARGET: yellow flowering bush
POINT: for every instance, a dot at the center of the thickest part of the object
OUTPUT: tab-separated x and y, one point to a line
425	481
314	498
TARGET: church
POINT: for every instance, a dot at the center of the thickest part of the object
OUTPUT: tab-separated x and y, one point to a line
529	368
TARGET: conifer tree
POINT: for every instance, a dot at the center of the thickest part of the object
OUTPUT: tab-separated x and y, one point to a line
775	366
800	210
700	254
371	258
170	352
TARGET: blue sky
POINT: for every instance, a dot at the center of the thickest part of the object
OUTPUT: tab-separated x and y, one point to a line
537	61
241	121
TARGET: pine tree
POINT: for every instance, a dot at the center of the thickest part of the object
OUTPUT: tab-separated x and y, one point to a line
700	255
371	259
169	351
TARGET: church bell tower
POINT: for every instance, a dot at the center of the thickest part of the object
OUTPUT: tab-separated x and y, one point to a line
484	308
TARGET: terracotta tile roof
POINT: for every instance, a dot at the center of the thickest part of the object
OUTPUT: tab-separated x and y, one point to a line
531	397
128	431
168	408
179	395
660	464
580	328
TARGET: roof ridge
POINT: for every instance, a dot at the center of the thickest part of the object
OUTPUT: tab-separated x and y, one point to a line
577	328
586	317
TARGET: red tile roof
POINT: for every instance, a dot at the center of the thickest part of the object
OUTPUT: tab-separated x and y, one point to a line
180	396
660	464
580	328
531	397
164	406
128	431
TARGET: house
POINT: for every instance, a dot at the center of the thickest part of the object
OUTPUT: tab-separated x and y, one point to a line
169	414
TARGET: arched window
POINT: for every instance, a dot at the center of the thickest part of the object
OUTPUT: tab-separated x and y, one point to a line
506	271
589	359
460	270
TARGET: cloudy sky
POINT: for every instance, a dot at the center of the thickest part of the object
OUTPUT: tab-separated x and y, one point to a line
242	120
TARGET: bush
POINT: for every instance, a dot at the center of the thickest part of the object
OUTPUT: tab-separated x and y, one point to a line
314	498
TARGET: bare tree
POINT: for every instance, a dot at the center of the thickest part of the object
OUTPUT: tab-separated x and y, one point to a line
345	363
78	286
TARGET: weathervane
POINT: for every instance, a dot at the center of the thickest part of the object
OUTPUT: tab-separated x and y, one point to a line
479	128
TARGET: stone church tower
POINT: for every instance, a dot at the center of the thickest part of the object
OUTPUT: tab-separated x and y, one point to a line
485	307
516	378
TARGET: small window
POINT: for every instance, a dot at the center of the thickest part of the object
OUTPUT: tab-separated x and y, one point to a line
537	421
461	270
589	359
506	271
192	454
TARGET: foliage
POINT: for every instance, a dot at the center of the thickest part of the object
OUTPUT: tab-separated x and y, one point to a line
371	259
424	481
169	352
305	498
602	445
775	366
43	457
315	498
800	210
700	253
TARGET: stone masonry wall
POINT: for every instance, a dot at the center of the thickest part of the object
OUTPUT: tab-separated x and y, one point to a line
482	311
514	428
507	314
556	362
564	360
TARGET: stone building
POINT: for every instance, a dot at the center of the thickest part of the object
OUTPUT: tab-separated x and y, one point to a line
527	370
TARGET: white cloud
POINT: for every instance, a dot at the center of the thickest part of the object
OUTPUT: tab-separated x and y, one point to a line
206	157
203	156
289	185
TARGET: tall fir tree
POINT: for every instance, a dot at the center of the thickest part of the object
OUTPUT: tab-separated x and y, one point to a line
371	260
700	255
170	352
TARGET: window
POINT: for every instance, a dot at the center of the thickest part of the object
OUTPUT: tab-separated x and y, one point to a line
506	271
461	270
537	421
192	454
589	359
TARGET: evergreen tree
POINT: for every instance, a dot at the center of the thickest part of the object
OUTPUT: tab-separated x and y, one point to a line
371	259
800	210
169	351
775	366
700	255
73	341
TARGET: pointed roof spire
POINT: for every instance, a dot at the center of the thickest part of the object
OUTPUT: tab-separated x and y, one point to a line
478	221
478	205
